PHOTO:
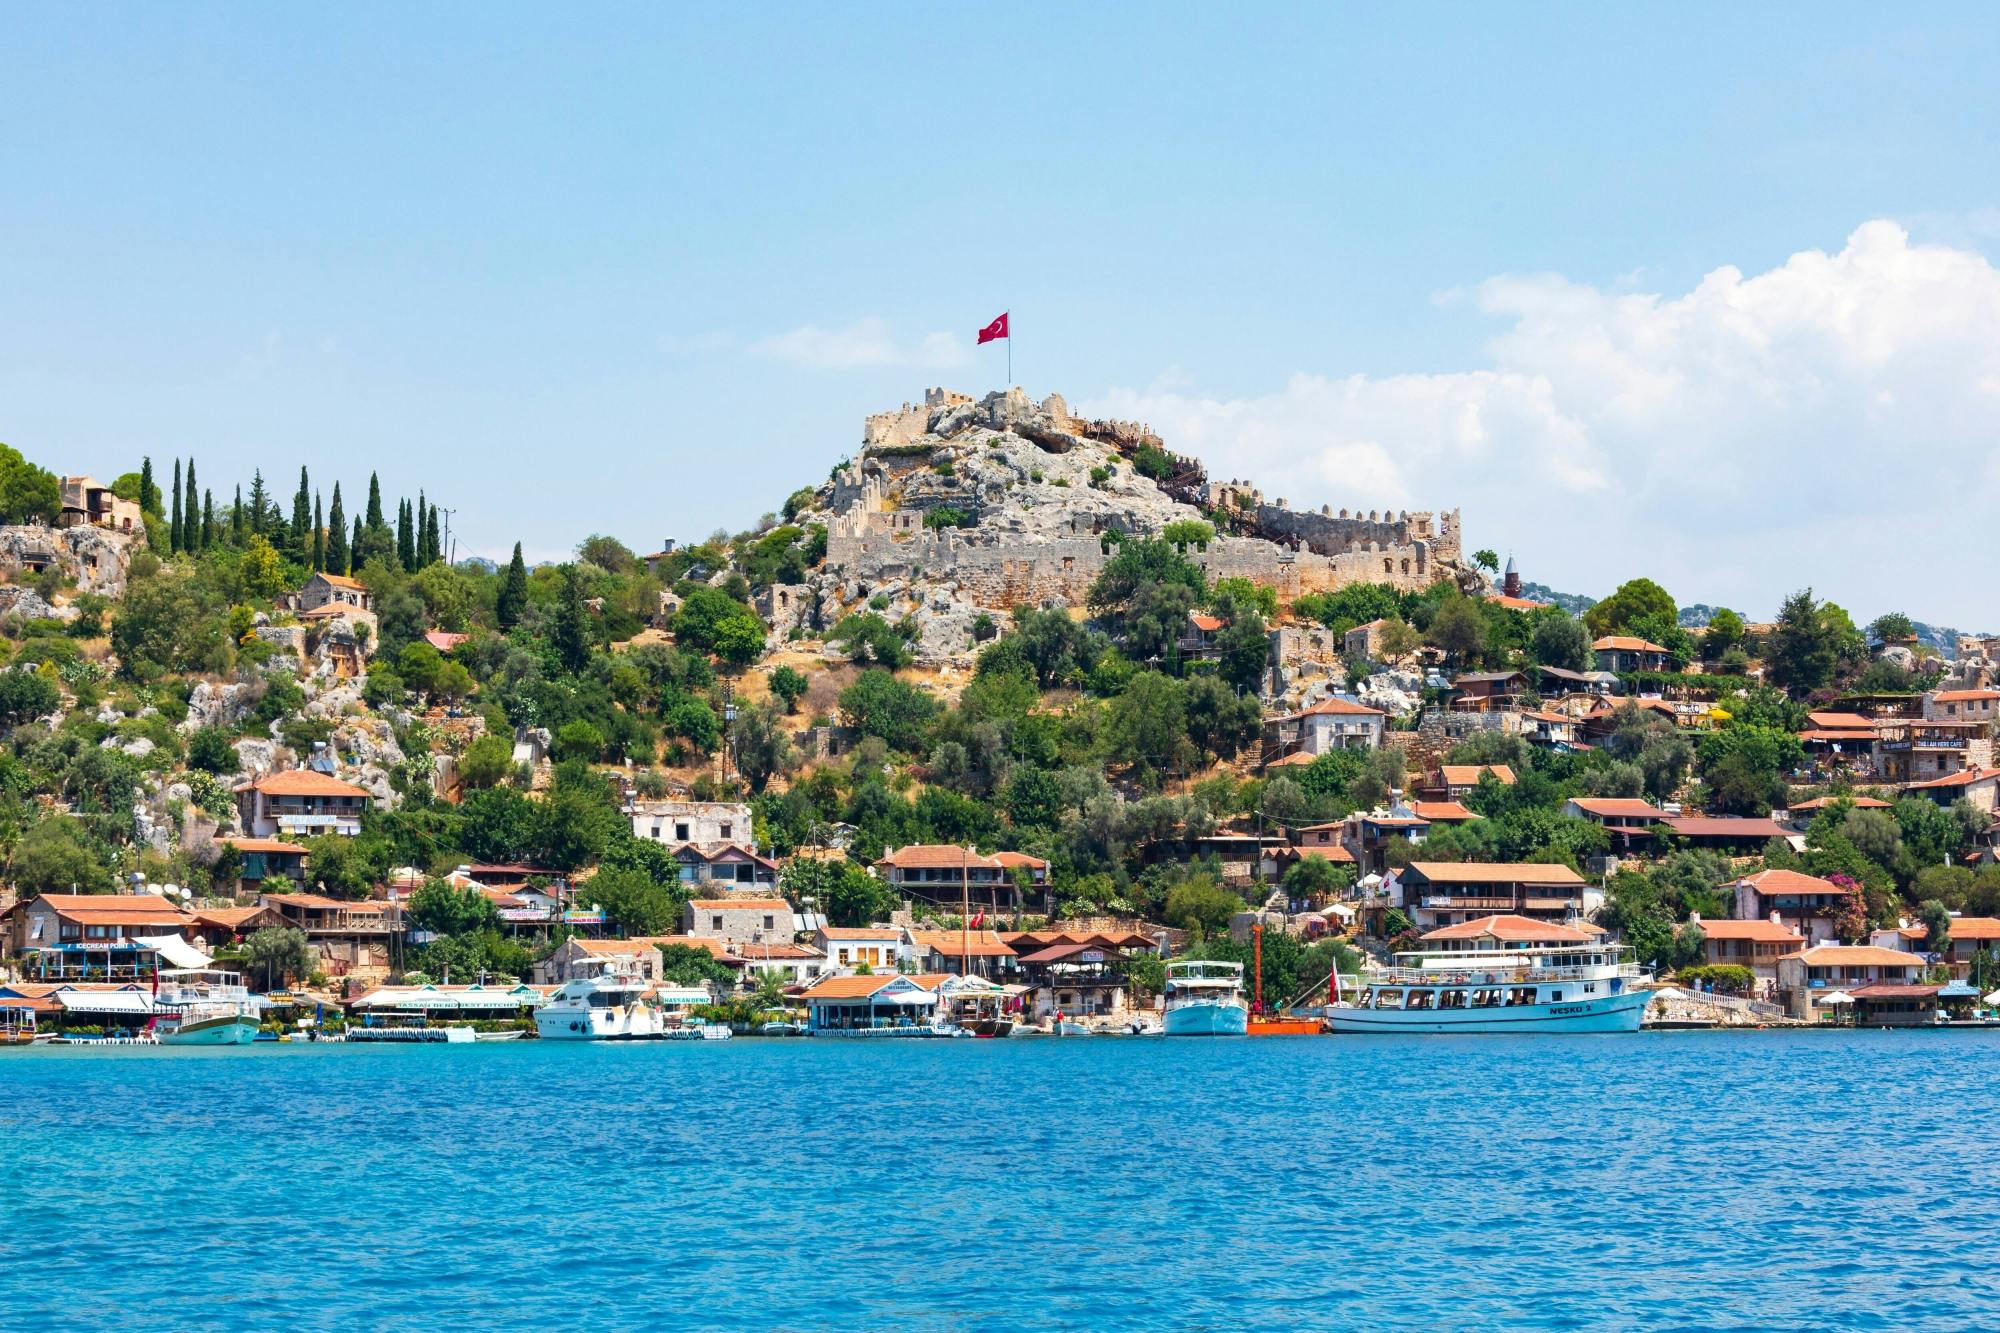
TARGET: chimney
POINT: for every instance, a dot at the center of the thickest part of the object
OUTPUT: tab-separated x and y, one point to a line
1775	919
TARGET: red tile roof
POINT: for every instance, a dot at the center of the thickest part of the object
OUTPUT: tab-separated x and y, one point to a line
1965	777
934	856
1467	775
1626	643
1965	696
1759	931
114	909
1495	872
1859	803
1617	807
278	845
858	988
951	943
1975	928
1724	826
1445	811
306	782
1788	882
862	934
1508	928
1856	955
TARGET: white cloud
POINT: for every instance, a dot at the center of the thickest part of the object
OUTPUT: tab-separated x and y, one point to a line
1830	422
863	343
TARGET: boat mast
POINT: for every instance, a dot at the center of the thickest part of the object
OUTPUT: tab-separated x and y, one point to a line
1257	952
964	912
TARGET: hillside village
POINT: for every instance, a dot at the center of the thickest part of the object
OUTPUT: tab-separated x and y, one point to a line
1012	694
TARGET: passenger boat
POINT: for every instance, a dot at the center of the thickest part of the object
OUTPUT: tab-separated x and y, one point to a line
1535	987
196	1007
610	1007
1205	999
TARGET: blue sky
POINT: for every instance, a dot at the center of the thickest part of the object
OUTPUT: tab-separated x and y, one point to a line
643	270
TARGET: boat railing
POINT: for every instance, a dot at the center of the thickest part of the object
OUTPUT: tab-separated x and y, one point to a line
1500	976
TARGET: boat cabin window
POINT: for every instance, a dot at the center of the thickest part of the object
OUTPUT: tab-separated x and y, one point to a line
1388	999
1555	996
1420	999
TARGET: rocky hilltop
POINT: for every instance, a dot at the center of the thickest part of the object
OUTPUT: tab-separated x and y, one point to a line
956	506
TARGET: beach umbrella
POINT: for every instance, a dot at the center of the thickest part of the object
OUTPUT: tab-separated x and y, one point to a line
1837	997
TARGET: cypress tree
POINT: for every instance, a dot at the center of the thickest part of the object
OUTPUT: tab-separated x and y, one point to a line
260	500
374	513
336	536
236	518
513	598
354	561
437	537
207	519
318	536
174	527
406	538
423	532
191	513
302	519
149	490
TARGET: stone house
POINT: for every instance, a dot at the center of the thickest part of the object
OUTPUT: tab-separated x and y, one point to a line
1333	724
1962	706
740	921
708	825
1978	786
350	596
68	934
87	501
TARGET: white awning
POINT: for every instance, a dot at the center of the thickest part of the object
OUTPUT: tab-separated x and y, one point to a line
105	1001
175	950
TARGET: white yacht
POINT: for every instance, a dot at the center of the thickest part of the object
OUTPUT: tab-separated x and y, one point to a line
198	1007
612	1006
1500	974
1205	999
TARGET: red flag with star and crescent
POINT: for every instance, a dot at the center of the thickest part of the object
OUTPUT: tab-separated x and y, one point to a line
995	331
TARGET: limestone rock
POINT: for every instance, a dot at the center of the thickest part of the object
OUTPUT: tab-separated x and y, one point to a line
96	558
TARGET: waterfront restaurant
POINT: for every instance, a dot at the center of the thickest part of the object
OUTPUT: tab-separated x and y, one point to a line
106	936
1816	984
892	1005
1086	977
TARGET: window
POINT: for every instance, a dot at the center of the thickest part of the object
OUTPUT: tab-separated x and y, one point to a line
715	922
728	831
680	833
770	922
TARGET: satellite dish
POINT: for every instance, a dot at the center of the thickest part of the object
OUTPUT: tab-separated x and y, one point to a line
172	890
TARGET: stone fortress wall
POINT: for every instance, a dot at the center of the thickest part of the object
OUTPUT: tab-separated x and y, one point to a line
997	565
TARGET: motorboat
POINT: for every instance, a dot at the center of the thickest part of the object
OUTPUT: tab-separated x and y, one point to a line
612	1006
1205	999
1539	987
200	1007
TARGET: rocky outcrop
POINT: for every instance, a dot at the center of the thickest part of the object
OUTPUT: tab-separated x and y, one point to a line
95	558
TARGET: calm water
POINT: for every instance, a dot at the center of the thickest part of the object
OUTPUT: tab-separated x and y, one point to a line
1696	1181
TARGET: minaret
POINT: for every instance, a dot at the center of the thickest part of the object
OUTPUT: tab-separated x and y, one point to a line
1510	582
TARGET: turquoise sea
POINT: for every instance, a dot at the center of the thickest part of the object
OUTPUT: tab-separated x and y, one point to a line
1661	1181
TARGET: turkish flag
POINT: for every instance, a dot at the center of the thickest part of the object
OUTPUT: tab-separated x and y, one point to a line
995	331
